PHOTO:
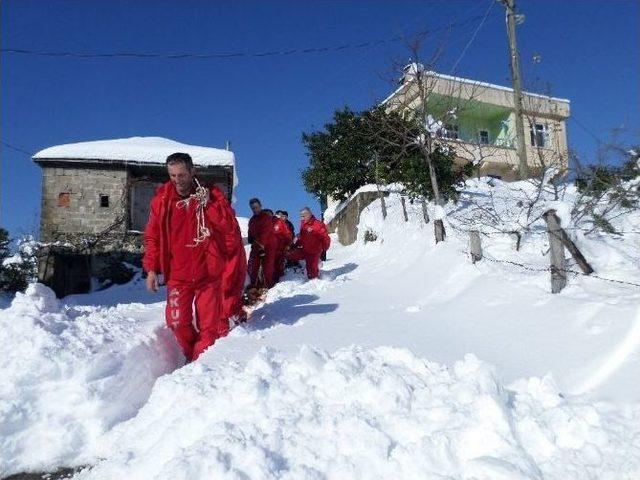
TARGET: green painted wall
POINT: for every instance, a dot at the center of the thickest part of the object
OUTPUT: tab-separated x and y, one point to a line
472	116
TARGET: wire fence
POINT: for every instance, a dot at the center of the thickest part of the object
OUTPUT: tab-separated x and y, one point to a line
539	269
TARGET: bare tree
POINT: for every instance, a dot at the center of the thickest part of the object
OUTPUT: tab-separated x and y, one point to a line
430	102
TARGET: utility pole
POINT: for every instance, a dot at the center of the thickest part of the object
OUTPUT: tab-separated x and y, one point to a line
523	168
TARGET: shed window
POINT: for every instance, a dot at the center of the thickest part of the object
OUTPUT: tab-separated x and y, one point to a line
141	193
64	199
104	200
483	137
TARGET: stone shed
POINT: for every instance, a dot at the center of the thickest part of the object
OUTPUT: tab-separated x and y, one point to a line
95	204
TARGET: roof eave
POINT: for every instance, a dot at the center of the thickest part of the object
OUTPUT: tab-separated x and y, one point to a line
115	161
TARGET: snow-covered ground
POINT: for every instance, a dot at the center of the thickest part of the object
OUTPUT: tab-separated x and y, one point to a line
404	361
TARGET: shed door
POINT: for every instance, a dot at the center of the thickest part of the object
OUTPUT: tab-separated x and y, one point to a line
71	274
141	195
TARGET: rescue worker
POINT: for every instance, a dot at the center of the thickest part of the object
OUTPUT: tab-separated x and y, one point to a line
263	246
312	241
284	215
284	239
193	239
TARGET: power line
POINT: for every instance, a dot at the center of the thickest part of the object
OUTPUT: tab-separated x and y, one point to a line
17	149
473	36
220	55
583	127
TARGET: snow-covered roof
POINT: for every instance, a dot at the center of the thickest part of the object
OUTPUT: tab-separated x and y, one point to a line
411	69
492	85
153	150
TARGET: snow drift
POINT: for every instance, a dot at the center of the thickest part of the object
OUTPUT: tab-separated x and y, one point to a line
362	413
70	373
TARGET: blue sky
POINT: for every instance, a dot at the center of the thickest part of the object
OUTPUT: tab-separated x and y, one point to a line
589	54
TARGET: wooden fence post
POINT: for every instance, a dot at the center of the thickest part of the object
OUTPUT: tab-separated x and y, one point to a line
574	250
425	213
556	249
475	246
439	230
404	209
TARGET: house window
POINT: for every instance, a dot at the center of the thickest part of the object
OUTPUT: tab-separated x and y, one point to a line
483	137
104	201
539	135
450	131
64	199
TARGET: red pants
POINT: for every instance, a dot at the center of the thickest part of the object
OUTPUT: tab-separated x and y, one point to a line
279	262
206	297
268	262
312	261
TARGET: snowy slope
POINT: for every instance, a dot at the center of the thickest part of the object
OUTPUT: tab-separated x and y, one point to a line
364	373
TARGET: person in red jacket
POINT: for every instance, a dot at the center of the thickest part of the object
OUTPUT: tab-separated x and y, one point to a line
263	246
192	237
284	238
312	241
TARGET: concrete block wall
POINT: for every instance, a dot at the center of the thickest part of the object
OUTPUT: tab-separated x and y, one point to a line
345	223
83	214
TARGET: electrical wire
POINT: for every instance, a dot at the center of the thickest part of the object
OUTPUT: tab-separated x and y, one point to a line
473	36
221	55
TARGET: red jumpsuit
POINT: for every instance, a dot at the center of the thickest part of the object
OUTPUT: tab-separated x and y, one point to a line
263	249
284	237
312	241
205	276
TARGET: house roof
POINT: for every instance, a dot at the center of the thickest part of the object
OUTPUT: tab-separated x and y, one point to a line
494	86
430	73
135	150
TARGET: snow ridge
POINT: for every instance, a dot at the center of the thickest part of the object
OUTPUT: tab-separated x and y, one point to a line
70	374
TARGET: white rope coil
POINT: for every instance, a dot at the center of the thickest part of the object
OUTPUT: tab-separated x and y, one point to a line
201	196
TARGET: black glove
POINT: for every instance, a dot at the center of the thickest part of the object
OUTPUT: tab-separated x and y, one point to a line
323	256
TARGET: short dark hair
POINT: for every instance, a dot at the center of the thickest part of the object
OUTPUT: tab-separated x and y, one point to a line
179	157
268	210
255	200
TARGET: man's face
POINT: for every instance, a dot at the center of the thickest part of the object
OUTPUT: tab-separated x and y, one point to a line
182	177
256	208
305	215
281	215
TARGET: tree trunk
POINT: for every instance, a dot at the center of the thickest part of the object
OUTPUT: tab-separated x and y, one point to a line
432	176
383	203
518	239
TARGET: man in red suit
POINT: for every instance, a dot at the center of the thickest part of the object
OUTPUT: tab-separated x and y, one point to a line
312	241
263	246
284	237
193	239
